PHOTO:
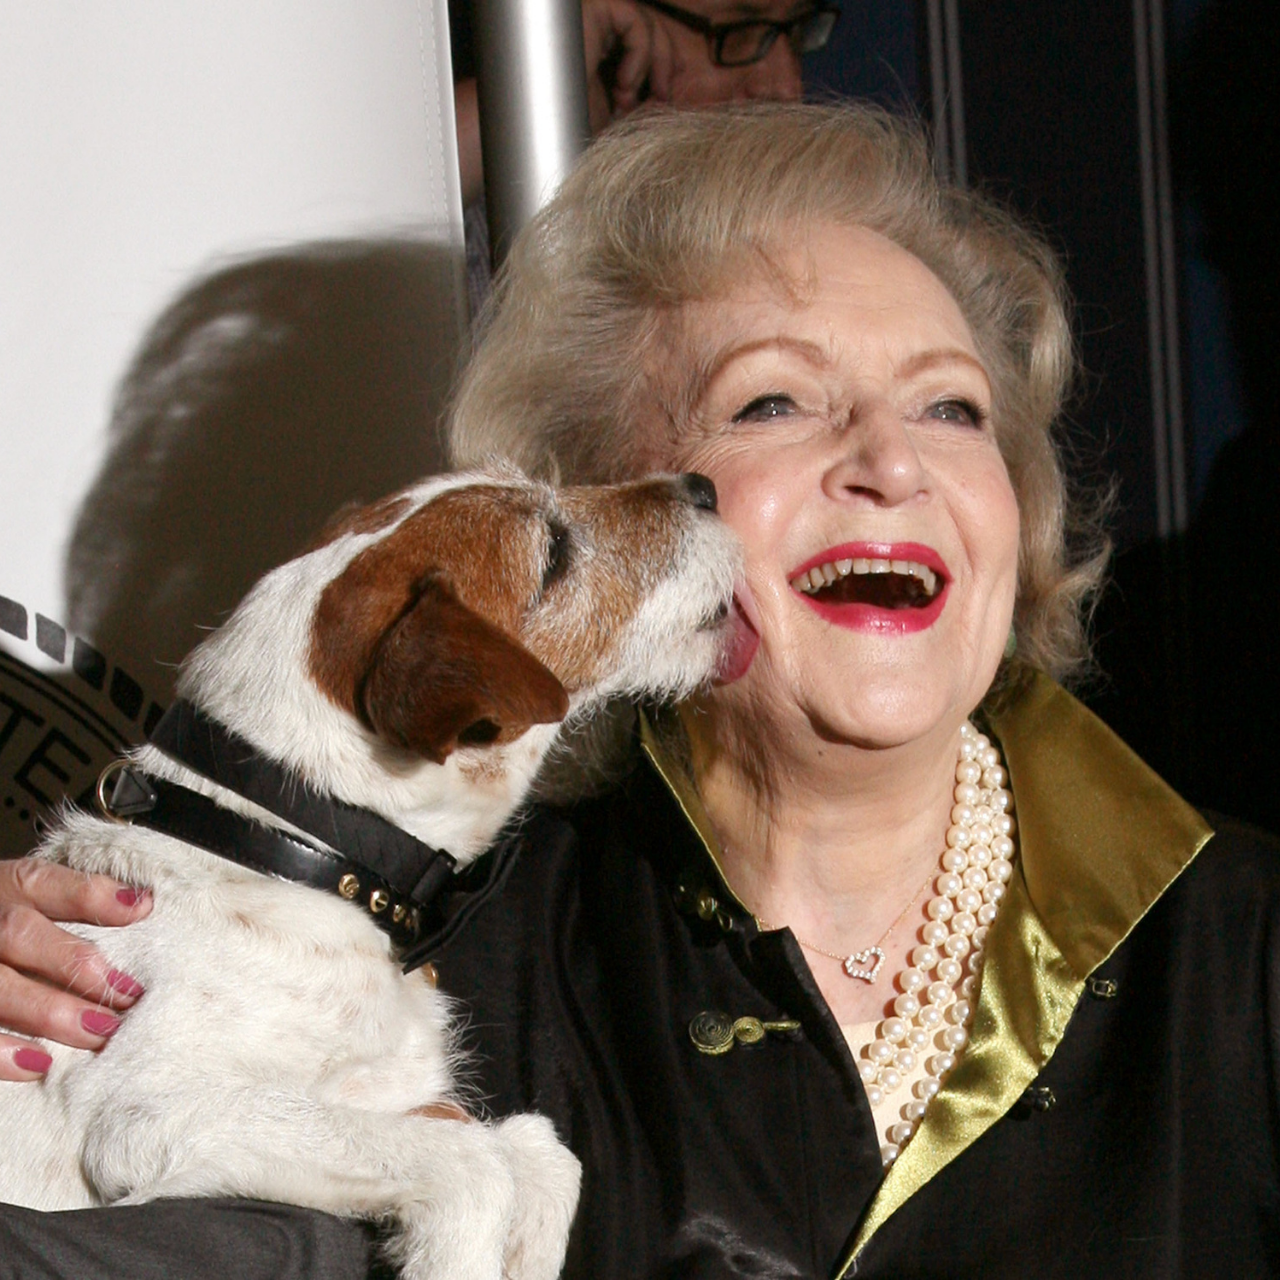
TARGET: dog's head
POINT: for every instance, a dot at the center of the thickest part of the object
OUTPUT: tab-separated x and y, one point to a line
497	606
443	625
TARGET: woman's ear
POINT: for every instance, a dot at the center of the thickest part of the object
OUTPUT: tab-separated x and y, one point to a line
442	677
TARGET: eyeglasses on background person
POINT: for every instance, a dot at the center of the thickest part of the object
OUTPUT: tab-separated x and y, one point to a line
738	44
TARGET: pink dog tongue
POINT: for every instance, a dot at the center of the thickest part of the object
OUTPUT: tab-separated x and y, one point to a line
742	641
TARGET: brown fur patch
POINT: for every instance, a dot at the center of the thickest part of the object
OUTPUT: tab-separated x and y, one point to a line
387	624
443	677
448	541
631	534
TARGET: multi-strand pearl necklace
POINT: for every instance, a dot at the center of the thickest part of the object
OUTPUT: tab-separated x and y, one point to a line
932	1015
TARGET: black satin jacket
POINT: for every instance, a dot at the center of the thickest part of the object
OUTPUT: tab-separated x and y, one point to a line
1116	1112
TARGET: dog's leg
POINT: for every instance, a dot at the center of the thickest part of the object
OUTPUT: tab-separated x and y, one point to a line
471	1201
547	1178
545	1181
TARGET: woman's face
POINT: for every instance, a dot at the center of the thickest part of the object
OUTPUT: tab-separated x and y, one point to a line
848	433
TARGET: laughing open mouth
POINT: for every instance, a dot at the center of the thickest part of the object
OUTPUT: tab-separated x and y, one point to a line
883	584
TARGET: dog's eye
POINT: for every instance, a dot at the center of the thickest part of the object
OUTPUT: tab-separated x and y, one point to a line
557	554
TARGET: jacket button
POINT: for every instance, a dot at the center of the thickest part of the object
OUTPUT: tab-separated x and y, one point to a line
715	1033
712	1032
1039	1097
693	898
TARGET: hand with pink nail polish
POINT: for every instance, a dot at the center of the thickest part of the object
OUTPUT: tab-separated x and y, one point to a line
54	985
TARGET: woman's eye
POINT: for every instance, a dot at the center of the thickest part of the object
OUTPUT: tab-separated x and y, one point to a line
762	408
964	412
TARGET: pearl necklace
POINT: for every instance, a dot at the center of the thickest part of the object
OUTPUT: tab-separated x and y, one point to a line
975	868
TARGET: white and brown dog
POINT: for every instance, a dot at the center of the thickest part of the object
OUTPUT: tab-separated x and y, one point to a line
416	666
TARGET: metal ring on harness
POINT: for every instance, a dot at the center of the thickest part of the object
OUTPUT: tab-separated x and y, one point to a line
100	793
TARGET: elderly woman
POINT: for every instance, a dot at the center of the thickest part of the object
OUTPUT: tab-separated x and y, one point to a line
882	956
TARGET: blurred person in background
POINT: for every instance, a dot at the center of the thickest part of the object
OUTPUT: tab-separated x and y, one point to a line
695	54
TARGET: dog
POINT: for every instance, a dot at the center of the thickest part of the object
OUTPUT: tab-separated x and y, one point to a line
409	672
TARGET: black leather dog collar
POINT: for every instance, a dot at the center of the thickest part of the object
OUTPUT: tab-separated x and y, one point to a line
413	869
369	861
129	794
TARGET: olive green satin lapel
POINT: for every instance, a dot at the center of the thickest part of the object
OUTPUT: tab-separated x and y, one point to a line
1107	835
686	796
1100	838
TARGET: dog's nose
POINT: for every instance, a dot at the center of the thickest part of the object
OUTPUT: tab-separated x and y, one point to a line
700	489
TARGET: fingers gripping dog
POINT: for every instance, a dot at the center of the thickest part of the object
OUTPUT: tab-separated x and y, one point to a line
411	671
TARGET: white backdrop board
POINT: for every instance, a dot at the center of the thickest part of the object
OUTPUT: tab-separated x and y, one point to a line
232	296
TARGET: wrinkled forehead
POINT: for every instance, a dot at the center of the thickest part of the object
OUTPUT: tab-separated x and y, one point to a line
780	274
688	339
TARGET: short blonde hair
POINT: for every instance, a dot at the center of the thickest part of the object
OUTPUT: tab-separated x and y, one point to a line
671	207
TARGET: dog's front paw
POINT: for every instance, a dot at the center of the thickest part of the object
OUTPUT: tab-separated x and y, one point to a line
547	1180
455	1220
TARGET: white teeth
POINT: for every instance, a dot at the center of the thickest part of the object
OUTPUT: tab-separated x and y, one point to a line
823	575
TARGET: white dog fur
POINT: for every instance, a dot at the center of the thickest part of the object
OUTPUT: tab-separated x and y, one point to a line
279	1053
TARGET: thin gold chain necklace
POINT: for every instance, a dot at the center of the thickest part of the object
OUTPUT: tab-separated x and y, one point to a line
866	963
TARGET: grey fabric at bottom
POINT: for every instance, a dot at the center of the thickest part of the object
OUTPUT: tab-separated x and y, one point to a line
186	1240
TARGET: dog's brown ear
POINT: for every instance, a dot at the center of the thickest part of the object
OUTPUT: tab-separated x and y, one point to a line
443	677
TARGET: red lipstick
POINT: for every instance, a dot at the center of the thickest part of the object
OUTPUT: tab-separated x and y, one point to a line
863	616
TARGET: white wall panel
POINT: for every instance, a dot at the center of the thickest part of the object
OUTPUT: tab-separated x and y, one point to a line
144	144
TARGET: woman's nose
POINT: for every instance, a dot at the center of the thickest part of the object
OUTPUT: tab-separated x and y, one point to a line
879	461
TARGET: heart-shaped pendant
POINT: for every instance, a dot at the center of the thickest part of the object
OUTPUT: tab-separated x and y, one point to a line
857	966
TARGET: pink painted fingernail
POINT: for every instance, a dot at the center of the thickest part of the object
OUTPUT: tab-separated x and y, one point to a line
123	983
128	896
33	1060
99	1023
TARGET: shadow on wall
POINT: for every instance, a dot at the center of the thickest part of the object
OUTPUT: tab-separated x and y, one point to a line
266	397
